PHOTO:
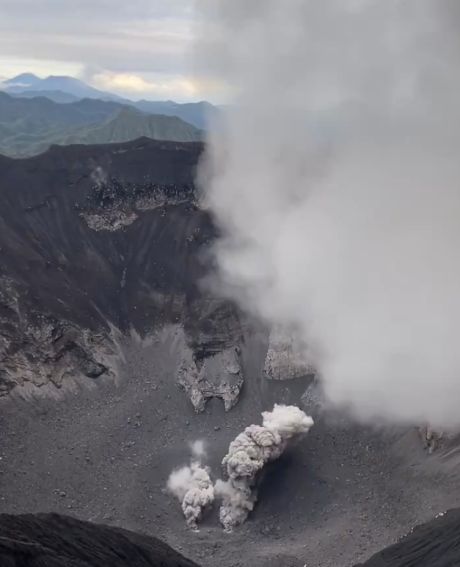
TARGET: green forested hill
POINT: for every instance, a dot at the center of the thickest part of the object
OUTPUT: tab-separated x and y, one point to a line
30	126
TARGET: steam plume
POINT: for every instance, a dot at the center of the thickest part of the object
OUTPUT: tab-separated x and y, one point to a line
336	183
247	456
193	487
198	449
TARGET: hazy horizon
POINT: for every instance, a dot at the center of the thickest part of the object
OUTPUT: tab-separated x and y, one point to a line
132	97
143	50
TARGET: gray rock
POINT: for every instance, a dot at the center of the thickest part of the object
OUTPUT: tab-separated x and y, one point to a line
286	357
217	376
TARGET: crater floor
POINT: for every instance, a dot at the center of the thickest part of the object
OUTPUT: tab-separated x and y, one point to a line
103	452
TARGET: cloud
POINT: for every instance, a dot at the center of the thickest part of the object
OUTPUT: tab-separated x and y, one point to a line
143	46
137	85
336	186
198	449
115	46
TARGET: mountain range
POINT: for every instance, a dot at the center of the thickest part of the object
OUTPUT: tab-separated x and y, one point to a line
29	126
26	82
65	89
36	113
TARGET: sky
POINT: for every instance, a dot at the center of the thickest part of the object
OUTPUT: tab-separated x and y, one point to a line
135	48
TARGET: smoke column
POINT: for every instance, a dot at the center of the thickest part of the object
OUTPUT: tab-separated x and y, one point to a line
247	456
192	486
336	182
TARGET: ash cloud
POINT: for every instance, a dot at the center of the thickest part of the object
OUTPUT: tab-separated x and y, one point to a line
248	454
336	183
192	486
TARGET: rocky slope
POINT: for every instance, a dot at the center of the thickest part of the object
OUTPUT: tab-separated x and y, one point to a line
98	242
50	540
434	544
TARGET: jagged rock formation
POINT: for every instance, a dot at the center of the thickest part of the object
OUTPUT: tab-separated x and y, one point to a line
431	438
97	241
211	365
40	350
219	375
434	544
50	540
112	204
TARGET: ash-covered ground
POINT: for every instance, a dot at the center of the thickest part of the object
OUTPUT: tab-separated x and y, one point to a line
104	454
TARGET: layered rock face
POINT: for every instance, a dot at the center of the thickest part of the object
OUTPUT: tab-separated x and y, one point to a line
100	241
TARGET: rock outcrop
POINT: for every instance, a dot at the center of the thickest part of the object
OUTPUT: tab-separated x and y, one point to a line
285	359
219	375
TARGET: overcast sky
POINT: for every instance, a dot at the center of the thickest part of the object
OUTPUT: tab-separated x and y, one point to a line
137	48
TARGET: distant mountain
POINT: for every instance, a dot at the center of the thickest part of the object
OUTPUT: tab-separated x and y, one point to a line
41	112
197	113
56	96
28	82
68	89
130	124
24	80
30	126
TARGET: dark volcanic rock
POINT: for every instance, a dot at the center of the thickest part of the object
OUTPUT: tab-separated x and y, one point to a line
97	241
50	540
434	544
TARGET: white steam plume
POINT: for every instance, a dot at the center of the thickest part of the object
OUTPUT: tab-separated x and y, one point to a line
336	182
247	456
193	487
198	449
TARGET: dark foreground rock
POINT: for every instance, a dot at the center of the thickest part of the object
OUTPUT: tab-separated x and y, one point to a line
434	544
50	540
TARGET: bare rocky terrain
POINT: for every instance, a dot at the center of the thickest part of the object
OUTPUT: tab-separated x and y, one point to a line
433	544
52	540
114	358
